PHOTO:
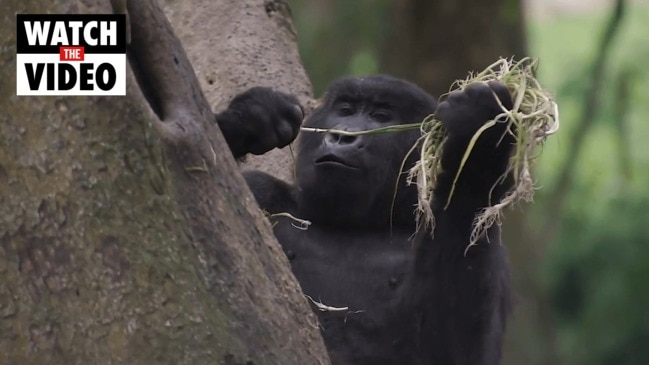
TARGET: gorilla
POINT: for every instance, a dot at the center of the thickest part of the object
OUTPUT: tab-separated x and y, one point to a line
385	293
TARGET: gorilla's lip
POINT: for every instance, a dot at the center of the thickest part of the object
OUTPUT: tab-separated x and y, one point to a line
330	159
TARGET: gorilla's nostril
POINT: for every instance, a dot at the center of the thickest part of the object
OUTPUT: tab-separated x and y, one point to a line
341	139
344	139
332	138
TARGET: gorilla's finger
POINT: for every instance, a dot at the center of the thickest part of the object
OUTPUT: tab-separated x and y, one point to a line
455	96
285	133
262	146
289	107
502	92
443	111
451	111
298	112
477	89
481	95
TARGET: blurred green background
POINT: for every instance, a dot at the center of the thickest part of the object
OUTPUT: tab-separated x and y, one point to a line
580	253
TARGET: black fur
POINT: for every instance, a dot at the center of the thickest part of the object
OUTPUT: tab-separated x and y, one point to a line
259	120
397	304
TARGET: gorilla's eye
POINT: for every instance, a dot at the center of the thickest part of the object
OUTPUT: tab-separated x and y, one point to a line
381	116
345	110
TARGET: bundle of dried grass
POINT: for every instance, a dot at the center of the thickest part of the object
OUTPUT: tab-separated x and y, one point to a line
532	119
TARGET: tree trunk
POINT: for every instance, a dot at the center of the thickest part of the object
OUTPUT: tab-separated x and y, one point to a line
434	43
255	45
128	239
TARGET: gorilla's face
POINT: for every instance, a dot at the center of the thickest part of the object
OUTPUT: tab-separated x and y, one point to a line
351	163
357	174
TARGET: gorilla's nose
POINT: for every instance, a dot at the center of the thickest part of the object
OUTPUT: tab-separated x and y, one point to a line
343	137
340	139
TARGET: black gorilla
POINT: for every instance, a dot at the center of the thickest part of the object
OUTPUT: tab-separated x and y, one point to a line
401	298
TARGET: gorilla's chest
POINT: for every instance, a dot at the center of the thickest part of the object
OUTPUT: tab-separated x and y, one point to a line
355	270
357	279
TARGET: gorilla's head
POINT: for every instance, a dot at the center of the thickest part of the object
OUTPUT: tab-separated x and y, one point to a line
351	180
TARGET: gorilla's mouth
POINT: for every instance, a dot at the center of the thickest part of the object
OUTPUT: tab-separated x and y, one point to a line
333	160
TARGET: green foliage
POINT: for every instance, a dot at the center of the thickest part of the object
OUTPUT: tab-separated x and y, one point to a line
598	277
339	37
364	63
598	266
563	69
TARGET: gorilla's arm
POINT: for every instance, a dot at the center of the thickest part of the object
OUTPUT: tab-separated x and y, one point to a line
272	194
258	120
463	294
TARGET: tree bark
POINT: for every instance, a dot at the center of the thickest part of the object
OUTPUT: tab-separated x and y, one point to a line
255	45
128	236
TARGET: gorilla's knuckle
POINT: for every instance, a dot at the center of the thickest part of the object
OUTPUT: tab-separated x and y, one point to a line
502	93
476	88
297	112
285	133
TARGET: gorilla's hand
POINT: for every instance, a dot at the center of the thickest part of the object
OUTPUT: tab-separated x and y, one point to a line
260	119
464	112
481	181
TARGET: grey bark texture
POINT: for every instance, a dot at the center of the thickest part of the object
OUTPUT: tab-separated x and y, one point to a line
128	237
259	38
